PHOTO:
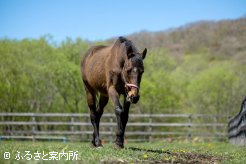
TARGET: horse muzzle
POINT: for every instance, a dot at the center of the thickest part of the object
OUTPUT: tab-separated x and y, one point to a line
132	99
132	93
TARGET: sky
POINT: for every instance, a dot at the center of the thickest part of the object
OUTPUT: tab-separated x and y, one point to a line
103	19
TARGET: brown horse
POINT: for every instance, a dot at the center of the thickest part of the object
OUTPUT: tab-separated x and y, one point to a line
112	71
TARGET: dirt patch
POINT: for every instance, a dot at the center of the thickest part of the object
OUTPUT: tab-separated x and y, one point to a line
175	158
166	157
178	157
193	158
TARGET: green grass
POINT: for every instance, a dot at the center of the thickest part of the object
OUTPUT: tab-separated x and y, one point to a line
157	152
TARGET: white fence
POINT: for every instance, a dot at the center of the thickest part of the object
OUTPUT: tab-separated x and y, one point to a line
140	127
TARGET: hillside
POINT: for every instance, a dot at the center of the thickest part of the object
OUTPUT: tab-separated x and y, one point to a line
223	38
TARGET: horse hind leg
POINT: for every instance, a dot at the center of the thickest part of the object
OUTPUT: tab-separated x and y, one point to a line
103	100
95	114
91	101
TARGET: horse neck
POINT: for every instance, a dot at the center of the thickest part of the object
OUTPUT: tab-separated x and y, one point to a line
118	59
118	51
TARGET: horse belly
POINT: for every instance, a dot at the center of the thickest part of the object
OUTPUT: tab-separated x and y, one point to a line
98	82
96	77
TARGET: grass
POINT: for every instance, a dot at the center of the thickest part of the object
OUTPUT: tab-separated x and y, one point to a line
157	152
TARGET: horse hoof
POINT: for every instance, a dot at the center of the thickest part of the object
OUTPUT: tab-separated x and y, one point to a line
99	147
93	145
119	146
96	144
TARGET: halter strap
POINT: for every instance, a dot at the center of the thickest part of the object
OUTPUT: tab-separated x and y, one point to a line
126	83
132	85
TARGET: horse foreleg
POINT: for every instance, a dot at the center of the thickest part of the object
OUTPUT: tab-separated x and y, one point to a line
122	118
118	112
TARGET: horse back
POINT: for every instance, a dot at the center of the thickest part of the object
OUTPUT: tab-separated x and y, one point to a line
93	67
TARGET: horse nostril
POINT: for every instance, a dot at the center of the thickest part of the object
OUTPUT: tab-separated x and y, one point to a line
132	98
135	99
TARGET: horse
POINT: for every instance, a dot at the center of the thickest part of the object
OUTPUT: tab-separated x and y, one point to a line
108	72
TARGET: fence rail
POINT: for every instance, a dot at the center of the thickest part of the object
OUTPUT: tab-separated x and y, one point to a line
142	127
237	127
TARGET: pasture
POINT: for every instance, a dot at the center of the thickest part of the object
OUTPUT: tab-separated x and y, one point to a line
156	152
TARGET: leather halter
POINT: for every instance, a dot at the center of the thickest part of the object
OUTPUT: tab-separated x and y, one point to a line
126	83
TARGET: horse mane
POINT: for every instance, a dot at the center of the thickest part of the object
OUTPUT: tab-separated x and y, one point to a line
97	48
127	43
118	42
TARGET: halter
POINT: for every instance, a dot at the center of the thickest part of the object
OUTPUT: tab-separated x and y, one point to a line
126	83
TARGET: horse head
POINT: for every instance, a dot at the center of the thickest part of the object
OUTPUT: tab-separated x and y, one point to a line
132	73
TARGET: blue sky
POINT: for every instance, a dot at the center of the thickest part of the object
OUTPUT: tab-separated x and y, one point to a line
102	19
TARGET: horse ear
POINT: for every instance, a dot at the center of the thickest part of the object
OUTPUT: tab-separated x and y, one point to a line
144	53
129	52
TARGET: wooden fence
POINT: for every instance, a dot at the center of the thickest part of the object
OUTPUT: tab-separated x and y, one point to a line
237	127
140	127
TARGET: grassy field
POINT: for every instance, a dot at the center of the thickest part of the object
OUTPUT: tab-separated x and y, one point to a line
157	152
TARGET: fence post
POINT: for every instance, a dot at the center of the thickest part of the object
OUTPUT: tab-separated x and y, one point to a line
111	129
190	125
83	137
33	127
216	128
150	128
72	128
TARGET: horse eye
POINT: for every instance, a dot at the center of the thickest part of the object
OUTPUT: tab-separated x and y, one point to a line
129	70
